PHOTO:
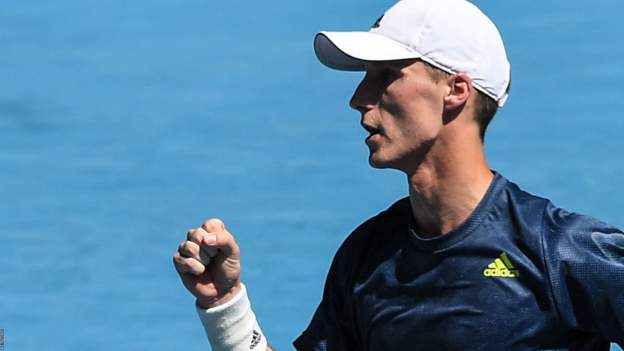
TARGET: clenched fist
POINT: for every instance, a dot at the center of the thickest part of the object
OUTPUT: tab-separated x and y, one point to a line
208	263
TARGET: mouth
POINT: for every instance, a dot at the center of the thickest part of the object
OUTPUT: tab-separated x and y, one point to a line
372	131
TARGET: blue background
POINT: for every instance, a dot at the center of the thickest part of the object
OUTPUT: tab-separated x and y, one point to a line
125	123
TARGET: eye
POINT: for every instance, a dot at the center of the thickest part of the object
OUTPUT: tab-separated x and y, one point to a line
388	75
382	74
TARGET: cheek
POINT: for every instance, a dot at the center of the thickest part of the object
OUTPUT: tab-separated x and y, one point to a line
396	103
413	117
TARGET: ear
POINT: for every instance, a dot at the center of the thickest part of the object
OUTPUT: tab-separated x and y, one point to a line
459	89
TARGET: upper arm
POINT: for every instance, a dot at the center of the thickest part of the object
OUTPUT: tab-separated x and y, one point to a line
586	266
333	325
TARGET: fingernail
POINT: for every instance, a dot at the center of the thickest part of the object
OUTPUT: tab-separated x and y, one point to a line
210	239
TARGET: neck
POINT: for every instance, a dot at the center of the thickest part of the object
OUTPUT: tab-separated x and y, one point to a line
444	191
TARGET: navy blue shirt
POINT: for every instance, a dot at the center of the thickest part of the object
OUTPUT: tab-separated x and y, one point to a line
518	274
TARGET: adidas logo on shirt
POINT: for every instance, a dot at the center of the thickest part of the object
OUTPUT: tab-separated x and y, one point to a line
501	267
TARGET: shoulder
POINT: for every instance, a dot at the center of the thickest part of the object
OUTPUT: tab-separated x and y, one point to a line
563	233
558	234
387	221
524	204
562	227
578	245
549	217
554	220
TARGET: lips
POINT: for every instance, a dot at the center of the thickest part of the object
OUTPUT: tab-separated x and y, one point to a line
371	130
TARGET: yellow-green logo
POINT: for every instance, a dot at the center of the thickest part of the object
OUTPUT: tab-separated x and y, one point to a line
501	267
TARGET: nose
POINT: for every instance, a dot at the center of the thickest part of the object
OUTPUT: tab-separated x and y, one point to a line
365	96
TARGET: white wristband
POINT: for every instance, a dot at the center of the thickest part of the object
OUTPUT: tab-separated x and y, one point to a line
233	326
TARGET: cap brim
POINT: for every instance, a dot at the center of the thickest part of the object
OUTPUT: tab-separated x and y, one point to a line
348	51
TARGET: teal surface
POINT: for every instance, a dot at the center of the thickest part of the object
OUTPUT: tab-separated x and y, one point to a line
124	123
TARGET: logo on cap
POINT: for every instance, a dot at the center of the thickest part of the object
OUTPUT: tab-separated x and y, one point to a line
376	24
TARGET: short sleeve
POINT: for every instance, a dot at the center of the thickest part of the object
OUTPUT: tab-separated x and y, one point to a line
586	263
331	327
335	325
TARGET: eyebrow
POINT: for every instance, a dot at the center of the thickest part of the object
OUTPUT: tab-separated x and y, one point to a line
394	64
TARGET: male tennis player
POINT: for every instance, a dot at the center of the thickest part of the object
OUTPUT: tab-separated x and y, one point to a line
468	261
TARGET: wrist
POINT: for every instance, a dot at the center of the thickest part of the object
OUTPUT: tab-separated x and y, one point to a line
221	299
232	325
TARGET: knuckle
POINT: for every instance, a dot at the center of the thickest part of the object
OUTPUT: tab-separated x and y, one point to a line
232	242
195	235
213	224
191	248
187	265
183	249
226	237
176	265
195	267
228	241
190	233
178	260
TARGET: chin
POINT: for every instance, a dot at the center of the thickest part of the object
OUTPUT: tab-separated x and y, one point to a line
377	162
374	165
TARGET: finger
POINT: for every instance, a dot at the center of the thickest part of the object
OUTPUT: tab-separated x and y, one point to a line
225	242
188	265
204	257
189	249
197	236
213	225
209	250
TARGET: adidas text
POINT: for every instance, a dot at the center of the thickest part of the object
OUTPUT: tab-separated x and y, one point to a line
501	267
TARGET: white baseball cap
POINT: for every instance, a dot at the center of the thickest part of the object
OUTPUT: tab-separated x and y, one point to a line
452	35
